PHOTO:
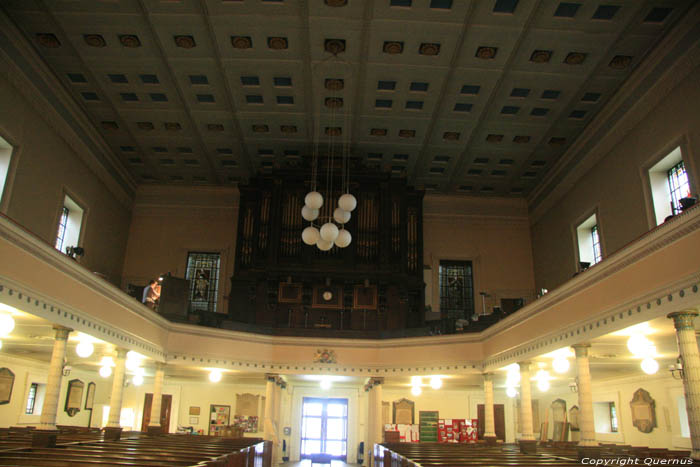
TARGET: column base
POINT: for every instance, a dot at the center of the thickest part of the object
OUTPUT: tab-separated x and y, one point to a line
490	440
154	430
591	452
112	433
528	446
44	438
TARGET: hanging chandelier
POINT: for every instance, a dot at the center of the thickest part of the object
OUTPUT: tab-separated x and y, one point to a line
329	230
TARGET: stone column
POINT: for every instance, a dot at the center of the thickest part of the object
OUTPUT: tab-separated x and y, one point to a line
688	349
371	422
489	424
47	423
154	422
527	441
268	427
585	400
113	428
378	412
278	421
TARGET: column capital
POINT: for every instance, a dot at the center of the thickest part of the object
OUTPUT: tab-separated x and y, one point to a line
581	349
61	332
487	376
372	382
525	366
683	319
271	377
121	352
160	366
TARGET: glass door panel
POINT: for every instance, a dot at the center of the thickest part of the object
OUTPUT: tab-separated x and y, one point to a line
324	427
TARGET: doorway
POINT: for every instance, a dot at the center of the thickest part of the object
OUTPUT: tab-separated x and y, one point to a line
324	428
166	401
499	420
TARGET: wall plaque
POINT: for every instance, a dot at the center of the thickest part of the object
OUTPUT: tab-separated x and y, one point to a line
90	397
74	397
7	380
247	405
404	412
643	411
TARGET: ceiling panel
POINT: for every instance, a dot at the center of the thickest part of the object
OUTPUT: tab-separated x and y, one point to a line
463	96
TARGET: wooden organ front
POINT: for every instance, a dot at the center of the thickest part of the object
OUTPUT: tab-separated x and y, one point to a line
372	287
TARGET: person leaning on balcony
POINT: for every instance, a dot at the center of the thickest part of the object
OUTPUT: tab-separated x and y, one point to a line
151	294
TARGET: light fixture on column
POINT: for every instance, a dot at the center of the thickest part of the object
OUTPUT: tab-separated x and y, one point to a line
511	392
105	371
133	360
215	376
416	390
677	369
328	234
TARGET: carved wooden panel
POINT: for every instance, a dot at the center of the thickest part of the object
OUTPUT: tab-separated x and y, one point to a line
290	293
365	297
247	405
327	297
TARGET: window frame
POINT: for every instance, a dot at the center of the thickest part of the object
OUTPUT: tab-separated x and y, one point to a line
12	154
675	191
650	171
78	207
31	395
584	225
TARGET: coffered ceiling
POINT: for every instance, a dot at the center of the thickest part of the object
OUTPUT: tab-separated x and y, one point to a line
466	96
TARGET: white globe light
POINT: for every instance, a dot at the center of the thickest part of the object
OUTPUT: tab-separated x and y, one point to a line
341	216
436	382
137	380
329	231
105	371
650	366
310	235
543	385
132	364
215	376
347	202
511	392
640	346
84	349
314	200
344	238
7	324
560	365
416	390
323	245
325	384
309	214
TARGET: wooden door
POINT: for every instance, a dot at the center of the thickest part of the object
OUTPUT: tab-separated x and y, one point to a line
166	402
498	418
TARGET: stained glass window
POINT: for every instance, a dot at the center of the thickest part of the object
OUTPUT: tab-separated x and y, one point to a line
456	289
595	238
203	274
678	186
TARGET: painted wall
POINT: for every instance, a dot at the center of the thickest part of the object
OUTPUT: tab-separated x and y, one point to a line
30	371
665	391
617	187
169	222
43	169
492	233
